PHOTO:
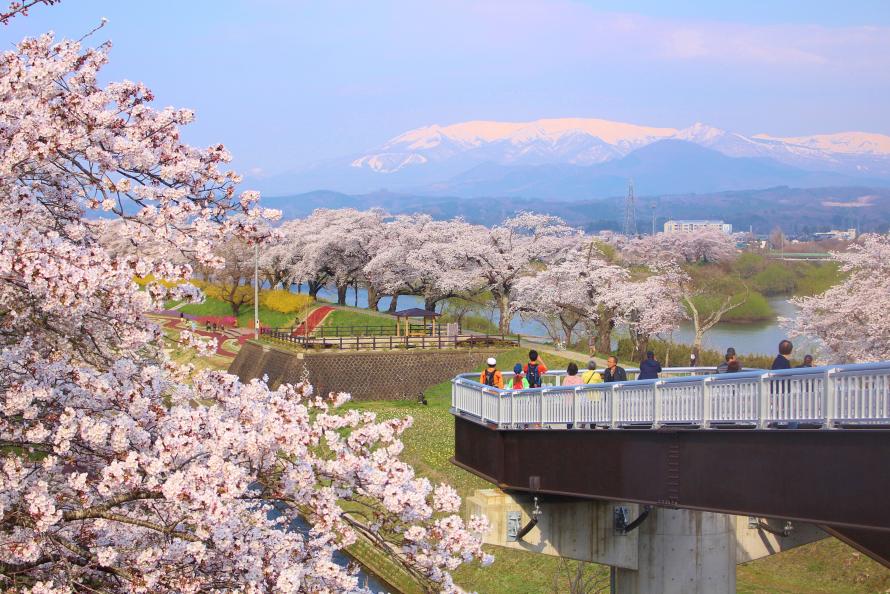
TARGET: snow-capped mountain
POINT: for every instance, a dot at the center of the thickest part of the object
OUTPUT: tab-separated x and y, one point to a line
587	141
582	158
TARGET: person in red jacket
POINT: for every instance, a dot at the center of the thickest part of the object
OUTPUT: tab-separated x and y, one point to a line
534	369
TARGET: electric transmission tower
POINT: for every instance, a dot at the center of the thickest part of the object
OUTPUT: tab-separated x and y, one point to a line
630	211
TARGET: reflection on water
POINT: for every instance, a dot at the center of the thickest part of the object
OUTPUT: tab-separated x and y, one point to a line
754	338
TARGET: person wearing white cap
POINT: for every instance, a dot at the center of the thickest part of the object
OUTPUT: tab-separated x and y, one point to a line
490	376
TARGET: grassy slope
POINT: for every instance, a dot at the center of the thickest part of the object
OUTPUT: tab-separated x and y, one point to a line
828	566
216	307
340	318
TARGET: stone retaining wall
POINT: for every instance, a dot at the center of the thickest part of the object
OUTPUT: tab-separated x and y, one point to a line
366	375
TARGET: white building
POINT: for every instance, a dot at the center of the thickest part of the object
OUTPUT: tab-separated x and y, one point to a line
842	234
684	226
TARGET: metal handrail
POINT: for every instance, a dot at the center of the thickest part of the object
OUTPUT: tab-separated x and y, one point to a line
829	397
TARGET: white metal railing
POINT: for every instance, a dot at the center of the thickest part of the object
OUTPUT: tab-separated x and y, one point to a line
831	397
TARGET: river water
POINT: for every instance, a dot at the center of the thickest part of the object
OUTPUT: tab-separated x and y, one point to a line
749	338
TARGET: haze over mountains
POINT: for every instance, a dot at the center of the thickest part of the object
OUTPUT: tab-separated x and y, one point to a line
580	159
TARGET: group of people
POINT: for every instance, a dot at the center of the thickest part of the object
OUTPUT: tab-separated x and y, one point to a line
531	374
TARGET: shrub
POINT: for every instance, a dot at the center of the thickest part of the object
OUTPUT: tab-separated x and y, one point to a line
755	309
775	279
284	301
142	281
679	355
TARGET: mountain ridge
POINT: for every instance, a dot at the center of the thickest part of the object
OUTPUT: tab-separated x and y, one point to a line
527	157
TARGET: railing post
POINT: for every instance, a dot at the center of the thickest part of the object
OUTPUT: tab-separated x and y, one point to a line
830	405
706	403
575	407
657	412
541	408
764	402
613	395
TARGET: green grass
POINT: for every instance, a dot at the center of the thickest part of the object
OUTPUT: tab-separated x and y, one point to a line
342	318
217	307
826	567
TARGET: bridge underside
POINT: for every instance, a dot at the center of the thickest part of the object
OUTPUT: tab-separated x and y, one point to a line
836	479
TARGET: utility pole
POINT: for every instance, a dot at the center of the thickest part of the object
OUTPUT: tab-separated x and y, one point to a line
630	211
256	290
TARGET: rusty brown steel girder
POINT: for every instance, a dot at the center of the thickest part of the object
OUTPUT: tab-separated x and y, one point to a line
839	479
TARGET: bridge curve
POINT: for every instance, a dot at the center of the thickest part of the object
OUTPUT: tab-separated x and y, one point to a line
809	445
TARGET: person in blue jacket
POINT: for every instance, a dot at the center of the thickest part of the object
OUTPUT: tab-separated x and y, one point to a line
781	361
649	367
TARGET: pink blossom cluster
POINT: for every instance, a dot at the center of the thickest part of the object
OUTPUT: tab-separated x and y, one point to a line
122	470
850	319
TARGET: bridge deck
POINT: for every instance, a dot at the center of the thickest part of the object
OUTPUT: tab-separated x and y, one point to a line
682	454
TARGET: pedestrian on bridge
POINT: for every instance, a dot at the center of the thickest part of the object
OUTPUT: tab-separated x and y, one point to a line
518	382
572	377
613	373
781	361
592	376
534	369
490	376
649	367
807	361
728	358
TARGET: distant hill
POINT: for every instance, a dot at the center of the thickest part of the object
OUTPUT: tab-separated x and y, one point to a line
793	209
671	166
586	158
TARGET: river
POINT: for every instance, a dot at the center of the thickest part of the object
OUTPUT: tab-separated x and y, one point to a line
750	338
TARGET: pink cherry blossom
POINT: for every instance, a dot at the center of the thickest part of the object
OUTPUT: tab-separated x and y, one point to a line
121	469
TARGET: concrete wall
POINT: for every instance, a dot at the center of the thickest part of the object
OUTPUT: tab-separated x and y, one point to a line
366	375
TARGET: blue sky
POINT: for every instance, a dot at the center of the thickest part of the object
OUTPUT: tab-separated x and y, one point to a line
284	83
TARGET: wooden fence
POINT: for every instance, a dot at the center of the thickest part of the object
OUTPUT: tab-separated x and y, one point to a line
390	342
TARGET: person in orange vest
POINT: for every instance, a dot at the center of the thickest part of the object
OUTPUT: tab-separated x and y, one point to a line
490	376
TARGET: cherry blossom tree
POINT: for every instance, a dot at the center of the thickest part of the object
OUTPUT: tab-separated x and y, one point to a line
583	284
121	470
701	246
706	297
421	256
290	250
651	306
504	253
850	319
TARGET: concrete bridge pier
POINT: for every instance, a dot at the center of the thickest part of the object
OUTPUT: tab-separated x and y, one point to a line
682	552
671	551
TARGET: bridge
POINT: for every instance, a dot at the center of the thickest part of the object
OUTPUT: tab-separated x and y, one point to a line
807	447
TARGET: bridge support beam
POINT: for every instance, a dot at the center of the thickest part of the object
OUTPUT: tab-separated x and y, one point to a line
672	550
683	552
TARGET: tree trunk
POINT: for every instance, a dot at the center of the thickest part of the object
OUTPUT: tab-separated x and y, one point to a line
341	294
506	316
696	347
604	334
373	298
393	304
314	288
429	303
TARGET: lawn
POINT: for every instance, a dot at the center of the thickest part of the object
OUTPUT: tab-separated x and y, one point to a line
217	307
828	566
343	318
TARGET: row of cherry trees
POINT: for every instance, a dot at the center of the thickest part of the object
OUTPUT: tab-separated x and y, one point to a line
530	264
120	469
